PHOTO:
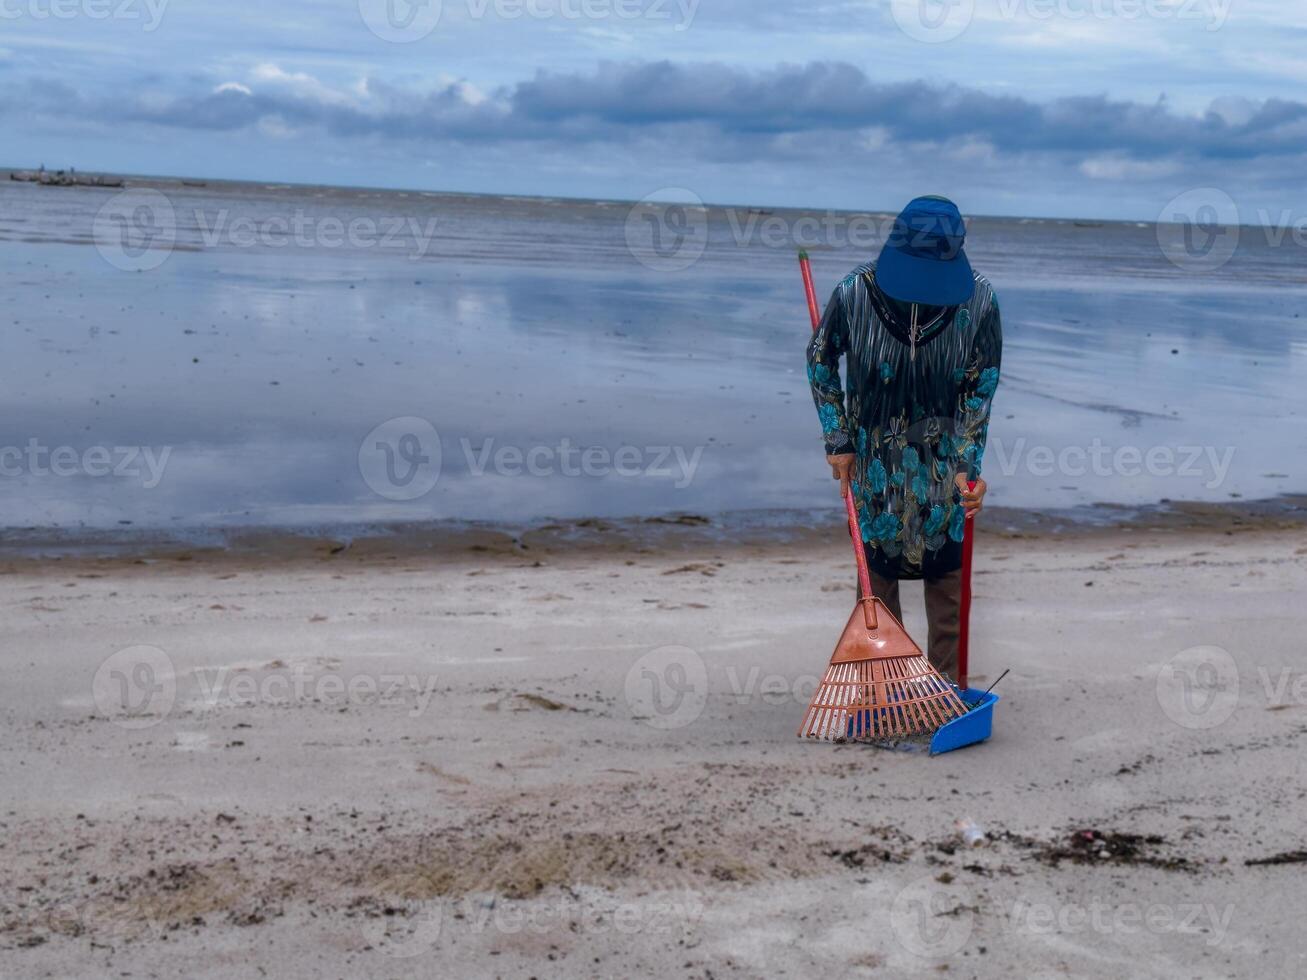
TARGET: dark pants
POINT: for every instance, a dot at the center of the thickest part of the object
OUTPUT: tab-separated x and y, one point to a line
943	605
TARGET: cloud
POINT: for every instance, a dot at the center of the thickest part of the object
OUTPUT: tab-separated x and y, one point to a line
719	111
301	86
821	96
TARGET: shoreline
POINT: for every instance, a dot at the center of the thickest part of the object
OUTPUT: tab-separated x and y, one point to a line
201	181
664	533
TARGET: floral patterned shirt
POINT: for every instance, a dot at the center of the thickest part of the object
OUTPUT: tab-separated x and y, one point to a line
916	414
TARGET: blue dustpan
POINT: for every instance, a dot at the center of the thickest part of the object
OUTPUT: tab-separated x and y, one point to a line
975	726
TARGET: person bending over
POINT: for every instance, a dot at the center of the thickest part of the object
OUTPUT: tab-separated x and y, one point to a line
921	337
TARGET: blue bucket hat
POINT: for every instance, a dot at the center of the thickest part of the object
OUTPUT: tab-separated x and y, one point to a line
922	261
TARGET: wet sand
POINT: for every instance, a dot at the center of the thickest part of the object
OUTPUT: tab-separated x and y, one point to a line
509	760
529	360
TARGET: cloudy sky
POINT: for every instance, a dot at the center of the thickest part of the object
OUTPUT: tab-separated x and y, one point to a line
1097	108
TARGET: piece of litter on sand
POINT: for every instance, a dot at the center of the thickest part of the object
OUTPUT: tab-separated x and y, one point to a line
973	835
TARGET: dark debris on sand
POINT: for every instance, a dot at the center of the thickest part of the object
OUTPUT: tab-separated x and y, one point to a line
1105	847
1288	857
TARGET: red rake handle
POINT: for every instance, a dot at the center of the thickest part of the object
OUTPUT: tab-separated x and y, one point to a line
813	310
964	612
855	532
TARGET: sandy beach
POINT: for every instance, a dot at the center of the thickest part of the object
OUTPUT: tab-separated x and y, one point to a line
432	436
517	758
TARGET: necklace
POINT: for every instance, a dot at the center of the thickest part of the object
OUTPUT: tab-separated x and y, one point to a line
915	329
916	333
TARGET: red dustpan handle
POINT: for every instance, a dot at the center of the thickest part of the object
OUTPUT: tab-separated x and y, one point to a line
864	577
964	612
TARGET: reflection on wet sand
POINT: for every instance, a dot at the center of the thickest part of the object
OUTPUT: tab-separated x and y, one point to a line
562	377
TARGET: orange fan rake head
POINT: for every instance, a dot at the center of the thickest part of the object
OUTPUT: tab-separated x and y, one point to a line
879	684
